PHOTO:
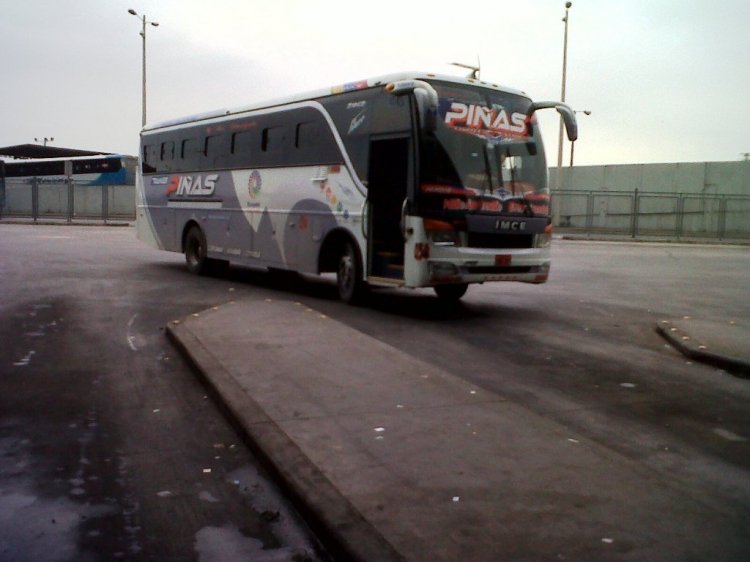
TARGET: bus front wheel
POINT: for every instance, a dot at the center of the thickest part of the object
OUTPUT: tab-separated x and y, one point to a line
349	275
195	251
451	293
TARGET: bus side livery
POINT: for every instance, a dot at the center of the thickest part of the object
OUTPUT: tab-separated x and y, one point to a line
412	180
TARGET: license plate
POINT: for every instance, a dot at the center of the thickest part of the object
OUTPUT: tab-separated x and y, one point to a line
502	260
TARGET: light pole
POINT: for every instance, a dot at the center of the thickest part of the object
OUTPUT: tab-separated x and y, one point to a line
573	143
45	140
562	97
143	35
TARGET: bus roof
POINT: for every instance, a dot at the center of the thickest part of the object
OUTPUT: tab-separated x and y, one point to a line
338	89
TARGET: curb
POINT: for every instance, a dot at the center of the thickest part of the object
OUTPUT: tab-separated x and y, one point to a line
343	531
625	239
734	365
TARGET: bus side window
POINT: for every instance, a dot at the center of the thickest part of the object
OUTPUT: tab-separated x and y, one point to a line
243	148
306	135
273	139
209	146
216	151
167	151
242	142
189	148
314	143
147	159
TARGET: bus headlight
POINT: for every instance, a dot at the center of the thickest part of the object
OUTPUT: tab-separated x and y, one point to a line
442	270
542	240
440	232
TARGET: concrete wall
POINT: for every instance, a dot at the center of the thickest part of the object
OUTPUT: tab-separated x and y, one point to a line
709	199
714	178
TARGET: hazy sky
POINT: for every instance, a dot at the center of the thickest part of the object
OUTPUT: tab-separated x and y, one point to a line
665	80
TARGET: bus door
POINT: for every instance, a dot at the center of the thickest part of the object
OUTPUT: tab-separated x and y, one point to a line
386	192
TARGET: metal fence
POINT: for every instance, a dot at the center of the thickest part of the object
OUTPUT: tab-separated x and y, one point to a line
637	213
634	213
67	200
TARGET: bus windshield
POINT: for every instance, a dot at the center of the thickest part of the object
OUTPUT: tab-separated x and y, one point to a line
484	156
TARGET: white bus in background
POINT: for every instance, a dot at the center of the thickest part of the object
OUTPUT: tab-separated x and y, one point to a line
95	170
409	180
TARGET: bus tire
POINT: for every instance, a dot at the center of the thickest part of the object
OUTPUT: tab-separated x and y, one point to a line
195	251
451	293
349	275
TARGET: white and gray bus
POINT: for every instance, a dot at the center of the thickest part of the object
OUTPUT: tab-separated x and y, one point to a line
408	180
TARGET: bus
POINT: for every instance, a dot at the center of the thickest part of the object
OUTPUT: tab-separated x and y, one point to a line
104	169
407	180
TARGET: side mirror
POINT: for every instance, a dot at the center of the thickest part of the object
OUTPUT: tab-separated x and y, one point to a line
425	96
567	113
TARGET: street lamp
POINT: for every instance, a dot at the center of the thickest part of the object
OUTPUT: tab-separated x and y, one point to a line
45	140
143	35
562	97
573	143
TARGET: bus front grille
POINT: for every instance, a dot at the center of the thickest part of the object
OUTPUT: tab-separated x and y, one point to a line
501	241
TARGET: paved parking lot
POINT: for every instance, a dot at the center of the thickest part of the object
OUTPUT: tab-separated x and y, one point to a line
111	448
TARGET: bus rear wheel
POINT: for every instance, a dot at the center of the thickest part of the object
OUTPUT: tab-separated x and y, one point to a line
195	251
451	293
349	275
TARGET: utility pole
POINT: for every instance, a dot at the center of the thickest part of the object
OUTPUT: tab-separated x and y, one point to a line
562	96
143	35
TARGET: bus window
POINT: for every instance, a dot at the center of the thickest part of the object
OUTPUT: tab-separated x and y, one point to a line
273	139
167	150
210	146
148	159
307	135
242	142
189	148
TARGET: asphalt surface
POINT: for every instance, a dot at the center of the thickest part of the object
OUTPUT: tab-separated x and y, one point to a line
579	354
110	448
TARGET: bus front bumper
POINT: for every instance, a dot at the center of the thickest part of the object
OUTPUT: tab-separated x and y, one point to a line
450	264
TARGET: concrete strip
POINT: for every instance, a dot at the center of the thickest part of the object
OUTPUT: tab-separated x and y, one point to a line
395	458
722	344
348	535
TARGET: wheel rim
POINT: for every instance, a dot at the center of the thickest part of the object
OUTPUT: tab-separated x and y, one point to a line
346	273
194	251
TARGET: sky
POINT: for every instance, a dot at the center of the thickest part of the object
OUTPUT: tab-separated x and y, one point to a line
664	80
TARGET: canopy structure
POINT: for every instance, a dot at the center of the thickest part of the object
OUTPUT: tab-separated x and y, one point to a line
39	151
